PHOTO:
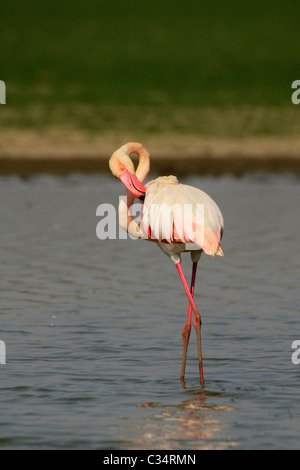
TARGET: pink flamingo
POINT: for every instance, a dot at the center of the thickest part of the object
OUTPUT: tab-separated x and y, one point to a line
164	203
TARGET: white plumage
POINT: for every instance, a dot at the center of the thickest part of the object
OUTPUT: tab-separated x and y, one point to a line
178	213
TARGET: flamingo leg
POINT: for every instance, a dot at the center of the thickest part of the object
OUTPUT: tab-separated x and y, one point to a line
187	327
197	318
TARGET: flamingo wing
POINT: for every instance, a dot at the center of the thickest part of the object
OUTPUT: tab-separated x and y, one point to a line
176	212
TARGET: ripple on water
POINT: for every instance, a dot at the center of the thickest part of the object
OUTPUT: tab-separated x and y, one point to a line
93	328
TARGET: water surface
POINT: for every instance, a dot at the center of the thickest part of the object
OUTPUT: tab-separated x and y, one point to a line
93	327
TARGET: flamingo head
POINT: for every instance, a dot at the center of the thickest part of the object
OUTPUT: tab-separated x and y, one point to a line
122	168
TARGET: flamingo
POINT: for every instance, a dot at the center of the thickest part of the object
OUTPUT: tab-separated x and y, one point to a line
164	201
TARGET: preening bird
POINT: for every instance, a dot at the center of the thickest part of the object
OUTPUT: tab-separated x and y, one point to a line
178	217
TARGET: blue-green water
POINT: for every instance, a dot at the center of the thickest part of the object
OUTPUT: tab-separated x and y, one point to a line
93	328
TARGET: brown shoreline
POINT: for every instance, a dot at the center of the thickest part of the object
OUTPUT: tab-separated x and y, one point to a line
26	152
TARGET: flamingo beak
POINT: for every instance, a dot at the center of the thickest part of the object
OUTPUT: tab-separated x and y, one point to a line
132	184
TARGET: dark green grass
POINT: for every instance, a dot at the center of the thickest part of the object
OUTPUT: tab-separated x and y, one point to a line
59	56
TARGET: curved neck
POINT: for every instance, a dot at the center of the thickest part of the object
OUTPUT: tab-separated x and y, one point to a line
126	221
125	218
144	159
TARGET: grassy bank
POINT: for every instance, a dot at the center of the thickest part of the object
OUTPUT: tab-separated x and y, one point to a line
215	70
241	121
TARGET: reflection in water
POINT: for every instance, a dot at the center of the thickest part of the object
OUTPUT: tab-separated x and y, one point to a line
192	424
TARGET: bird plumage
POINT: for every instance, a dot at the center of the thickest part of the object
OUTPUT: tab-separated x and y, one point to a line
178	213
